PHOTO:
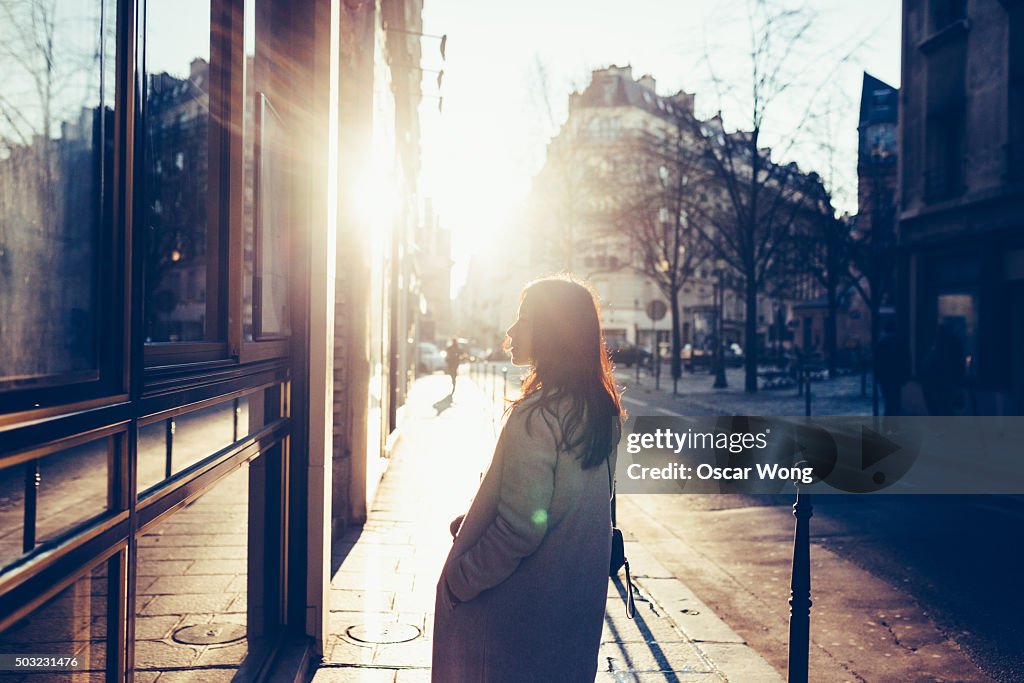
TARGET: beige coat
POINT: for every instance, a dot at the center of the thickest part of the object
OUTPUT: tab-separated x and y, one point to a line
529	566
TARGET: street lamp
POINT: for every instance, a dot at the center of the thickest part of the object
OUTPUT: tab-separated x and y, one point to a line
720	381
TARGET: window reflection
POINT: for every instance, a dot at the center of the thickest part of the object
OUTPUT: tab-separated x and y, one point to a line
177	155
175	444
72	488
55	138
42	499
74	622
191	602
12	513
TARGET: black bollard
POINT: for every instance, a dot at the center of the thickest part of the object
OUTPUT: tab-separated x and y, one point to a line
863	375
800	591
807	396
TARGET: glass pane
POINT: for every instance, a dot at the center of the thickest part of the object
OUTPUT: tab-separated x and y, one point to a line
53	133
72	488
193	437
191	599
152	455
72	623
270	284
200	434
249	155
177	151
12	513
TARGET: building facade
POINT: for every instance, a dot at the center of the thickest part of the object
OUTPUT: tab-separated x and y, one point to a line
178	260
961	188
616	129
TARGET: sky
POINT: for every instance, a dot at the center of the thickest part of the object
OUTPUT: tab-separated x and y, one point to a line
480	154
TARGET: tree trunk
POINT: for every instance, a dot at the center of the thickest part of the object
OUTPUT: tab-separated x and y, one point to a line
750	343
677	365
830	331
875	305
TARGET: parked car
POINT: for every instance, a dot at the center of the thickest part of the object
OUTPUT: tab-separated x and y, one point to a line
627	355
429	358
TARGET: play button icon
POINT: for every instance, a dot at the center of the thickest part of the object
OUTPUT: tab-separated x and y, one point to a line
874	447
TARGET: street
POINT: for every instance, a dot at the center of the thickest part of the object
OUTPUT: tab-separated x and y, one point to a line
897	584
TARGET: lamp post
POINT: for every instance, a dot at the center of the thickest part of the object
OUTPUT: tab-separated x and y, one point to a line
720	381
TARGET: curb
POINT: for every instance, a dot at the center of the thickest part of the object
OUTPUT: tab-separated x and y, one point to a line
724	649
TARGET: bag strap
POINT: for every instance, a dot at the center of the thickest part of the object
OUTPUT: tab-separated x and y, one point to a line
611	485
630	603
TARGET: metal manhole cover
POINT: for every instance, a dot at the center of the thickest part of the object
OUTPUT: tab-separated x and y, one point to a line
209	634
382	634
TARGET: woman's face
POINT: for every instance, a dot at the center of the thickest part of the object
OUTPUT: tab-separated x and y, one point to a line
521	338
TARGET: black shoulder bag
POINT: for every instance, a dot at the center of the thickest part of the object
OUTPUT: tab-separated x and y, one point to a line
618	558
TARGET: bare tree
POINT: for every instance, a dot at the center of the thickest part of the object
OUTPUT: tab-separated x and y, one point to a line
654	201
873	246
752	217
824	247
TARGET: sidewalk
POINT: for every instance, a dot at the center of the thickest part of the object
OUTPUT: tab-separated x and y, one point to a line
382	594
839	396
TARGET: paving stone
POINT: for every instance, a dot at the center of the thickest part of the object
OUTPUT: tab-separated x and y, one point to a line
156	654
372	581
225	654
240	604
155	628
239	584
207	675
353	675
192	583
414	653
184	604
163	567
217	567
342	651
361	600
654	656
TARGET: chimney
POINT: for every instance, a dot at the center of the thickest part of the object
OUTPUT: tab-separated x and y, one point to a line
647	81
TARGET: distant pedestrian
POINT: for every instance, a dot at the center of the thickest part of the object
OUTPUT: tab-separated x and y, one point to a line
522	593
452	358
942	372
892	368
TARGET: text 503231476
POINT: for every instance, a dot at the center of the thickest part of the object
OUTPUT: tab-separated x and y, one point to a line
24	662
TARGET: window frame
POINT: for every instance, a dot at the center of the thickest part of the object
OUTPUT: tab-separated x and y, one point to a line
42	395
266	45
215	345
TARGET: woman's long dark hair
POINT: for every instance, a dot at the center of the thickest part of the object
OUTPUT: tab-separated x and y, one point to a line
570	360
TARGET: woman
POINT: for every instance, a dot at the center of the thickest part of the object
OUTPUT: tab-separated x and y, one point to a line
522	594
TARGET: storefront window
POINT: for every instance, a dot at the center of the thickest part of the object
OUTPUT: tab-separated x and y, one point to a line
54	133
192	596
176	163
44	498
73	624
173	445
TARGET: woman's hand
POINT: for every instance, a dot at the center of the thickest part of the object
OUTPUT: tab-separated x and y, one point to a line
454	526
449	595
